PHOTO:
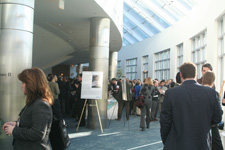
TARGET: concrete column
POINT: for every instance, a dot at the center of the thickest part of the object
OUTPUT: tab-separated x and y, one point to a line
16	40
113	60
99	61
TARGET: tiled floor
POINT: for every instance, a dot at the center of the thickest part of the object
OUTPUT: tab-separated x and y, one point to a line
117	136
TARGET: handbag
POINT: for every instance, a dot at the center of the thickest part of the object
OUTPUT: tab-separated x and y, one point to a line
59	136
140	101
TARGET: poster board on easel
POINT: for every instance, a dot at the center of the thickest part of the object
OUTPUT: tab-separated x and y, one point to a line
92	83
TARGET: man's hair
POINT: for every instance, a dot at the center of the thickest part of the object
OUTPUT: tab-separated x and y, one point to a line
162	81
188	70
113	79
178	79
80	75
208	66
208	78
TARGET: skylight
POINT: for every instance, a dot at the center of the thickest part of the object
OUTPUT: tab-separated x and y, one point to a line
145	18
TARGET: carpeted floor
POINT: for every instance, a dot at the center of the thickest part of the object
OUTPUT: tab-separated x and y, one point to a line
116	137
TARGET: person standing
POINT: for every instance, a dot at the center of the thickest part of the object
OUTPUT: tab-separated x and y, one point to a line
80	102
53	85
188	112
208	79
162	89
137	93
155	99
147	91
31	130
55	134
206	67
124	97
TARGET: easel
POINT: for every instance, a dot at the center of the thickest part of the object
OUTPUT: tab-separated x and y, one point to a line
221	89
100	122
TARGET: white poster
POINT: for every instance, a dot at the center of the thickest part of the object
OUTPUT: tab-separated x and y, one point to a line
91	85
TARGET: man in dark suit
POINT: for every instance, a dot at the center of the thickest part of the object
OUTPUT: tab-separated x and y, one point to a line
124	97
188	112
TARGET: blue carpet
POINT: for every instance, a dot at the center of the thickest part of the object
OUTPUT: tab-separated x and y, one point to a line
117	136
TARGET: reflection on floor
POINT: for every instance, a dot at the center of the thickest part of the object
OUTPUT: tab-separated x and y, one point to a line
117	136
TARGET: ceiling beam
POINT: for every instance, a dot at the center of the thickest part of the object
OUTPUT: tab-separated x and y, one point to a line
140	25
158	11
144	14
134	33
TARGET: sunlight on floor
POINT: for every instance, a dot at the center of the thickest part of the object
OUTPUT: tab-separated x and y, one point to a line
76	135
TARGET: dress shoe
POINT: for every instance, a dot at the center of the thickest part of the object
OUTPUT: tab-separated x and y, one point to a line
148	126
118	119
142	129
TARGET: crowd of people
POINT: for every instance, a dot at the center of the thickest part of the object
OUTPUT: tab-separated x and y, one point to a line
188	109
152	90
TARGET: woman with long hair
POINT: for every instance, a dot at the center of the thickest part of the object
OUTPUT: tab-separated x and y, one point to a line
147	91
31	130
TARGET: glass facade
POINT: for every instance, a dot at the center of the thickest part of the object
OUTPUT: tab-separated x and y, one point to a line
162	65
145	18
131	68
198	51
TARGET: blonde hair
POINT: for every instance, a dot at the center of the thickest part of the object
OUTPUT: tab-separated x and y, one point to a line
149	81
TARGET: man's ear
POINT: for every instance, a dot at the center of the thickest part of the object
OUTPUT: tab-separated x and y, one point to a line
181	77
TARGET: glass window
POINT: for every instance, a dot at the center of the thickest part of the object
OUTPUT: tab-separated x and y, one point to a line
221	50
162	69
179	56
199	50
131	68
119	64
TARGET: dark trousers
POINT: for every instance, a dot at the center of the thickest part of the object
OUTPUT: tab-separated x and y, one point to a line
121	104
62	104
216	139
80	106
146	114
75	110
57	109
154	109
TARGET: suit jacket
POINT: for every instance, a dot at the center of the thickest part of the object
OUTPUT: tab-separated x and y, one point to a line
34	127
161	96
187	114
129	92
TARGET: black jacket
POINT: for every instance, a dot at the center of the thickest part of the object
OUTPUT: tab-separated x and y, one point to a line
187	114
34	127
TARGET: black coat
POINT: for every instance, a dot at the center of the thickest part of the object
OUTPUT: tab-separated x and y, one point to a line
34	127
187	114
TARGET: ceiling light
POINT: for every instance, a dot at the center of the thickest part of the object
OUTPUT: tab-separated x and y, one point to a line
61	4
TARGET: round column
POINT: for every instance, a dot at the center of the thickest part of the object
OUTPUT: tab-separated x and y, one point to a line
113	60
99	61
16	40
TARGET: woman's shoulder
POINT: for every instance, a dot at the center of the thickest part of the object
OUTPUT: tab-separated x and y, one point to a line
41	101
